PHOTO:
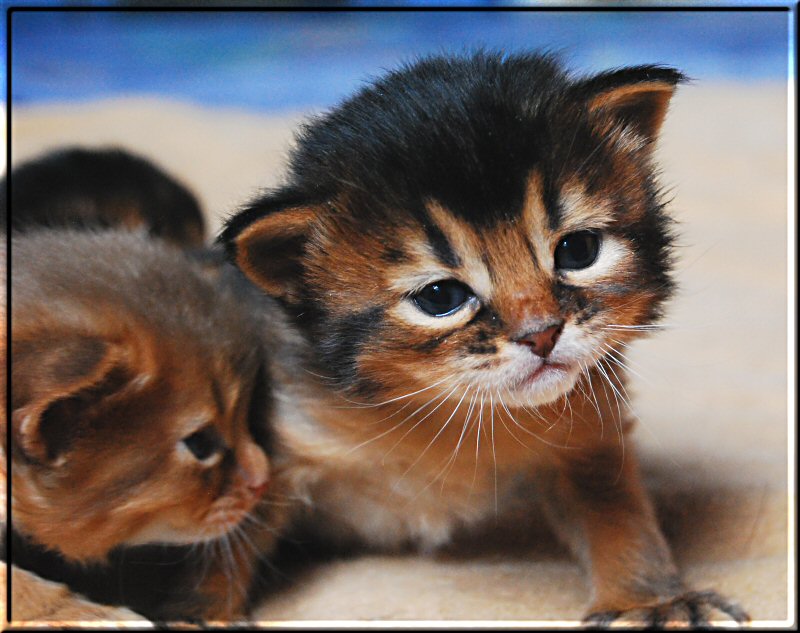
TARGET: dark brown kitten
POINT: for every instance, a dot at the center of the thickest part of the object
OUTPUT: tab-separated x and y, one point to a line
140	405
101	188
464	250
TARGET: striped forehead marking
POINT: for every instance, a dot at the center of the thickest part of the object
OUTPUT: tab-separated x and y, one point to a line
440	244
466	245
537	223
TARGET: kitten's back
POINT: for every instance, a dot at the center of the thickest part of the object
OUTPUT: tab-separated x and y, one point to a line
86	188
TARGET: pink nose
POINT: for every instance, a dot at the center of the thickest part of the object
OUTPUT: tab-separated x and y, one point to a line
542	342
253	468
260	489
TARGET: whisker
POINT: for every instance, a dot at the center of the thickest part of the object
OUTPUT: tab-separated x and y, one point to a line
571	420
454	456
369	405
651	326
494	454
529	432
477	446
425	417
249	518
632	411
509	431
439	432
394	427
594	402
625	363
617	422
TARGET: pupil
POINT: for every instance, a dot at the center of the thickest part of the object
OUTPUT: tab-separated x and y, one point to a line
203	443
577	250
442	297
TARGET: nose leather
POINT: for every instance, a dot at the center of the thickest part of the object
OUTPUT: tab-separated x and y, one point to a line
542	342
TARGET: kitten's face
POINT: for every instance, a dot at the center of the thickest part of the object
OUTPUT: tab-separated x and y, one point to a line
517	309
170	452
479	222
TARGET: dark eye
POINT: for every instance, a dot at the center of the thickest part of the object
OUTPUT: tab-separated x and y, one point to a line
442	297
203	443
577	250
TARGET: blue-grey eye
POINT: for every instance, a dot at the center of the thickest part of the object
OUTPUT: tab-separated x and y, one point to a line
577	250
442	297
204	443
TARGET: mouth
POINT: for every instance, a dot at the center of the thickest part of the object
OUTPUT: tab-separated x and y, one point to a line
545	370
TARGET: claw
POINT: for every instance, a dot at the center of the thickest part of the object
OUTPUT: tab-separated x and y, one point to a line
718	602
601	619
691	608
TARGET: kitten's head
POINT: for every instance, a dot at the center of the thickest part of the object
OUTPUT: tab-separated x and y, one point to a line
131	429
484	220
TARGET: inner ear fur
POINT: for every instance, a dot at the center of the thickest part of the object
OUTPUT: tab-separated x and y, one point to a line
635	97
56	386
270	249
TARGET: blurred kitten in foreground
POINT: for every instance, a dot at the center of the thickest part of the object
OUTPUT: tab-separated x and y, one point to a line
140	413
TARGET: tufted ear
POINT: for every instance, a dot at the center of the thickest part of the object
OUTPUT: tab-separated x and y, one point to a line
267	242
636	97
57	387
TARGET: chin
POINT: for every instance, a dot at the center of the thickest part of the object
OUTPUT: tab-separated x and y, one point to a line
548	385
168	535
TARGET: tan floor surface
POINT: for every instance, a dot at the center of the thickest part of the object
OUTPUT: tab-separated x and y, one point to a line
711	391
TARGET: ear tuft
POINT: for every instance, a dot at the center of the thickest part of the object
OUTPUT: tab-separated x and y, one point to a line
635	97
269	250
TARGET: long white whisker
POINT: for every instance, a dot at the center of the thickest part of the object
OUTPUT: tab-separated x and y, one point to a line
494	454
393	427
595	401
477	445
617	358
651	326
617	422
454	455
370	405
508	430
425	417
439	432
522	428
623	395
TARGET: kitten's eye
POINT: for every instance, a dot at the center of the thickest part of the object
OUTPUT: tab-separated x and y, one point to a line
577	250
203	443
442	297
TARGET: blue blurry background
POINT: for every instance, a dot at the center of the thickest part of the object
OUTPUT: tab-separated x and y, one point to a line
293	60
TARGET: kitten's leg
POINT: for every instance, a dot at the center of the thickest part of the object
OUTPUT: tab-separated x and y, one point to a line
598	506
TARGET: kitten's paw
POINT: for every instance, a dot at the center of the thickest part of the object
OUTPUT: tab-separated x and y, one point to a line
690	609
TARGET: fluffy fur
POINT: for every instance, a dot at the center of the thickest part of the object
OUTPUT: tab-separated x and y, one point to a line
479	173
140	413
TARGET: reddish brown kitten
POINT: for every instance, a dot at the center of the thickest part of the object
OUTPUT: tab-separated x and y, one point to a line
140	405
462	252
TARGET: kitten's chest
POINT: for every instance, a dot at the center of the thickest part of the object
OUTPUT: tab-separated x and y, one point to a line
390	489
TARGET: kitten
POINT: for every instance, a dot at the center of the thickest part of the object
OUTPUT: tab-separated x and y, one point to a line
101	188
464	249
139	412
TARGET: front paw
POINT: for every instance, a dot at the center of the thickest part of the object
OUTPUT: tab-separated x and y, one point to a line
692	608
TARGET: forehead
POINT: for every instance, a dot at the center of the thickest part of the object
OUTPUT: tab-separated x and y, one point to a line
443	238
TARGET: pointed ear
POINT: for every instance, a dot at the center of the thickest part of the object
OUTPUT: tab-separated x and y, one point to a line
268	243
57	386
635	97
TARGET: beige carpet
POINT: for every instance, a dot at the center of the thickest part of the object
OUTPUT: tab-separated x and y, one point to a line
711	392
